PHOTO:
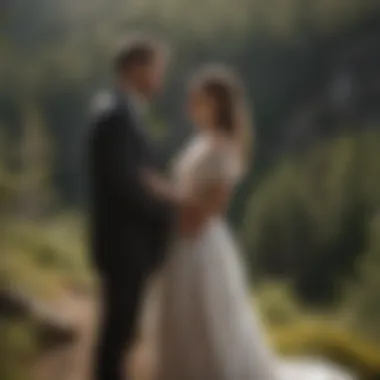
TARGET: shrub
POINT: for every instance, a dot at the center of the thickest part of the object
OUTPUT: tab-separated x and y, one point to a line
17	348
40	259
277	303
332	342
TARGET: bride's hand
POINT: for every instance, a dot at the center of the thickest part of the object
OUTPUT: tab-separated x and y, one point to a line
191	217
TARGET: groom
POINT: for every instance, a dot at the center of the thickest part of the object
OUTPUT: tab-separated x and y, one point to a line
130	222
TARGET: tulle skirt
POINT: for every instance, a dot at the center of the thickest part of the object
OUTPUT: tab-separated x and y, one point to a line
202	321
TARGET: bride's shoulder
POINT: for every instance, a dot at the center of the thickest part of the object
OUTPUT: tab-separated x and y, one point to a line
218	149
207	153
221	158
186	154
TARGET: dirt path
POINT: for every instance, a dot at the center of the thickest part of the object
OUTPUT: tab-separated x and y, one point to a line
71	362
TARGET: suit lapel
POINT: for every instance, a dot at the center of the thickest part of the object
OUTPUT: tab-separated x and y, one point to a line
138	124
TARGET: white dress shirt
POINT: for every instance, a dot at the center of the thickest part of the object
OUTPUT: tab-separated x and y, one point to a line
138	103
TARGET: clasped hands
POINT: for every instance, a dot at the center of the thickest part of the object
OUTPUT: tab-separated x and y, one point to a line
191	215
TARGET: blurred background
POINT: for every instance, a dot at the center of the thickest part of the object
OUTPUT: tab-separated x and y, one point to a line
307	214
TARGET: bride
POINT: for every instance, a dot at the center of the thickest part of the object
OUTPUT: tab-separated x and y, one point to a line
202	323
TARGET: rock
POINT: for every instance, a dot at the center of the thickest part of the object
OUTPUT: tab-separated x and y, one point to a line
13	304
52	328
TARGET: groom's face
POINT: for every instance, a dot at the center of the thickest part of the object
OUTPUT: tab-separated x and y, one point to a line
151	77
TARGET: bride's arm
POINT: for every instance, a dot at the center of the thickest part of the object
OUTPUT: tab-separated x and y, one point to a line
211	198
213	184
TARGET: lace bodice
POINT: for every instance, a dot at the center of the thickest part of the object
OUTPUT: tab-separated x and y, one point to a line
203	161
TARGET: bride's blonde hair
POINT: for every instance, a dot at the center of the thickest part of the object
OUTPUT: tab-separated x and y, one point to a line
231	115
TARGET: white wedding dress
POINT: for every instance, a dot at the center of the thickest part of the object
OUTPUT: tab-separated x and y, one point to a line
205	324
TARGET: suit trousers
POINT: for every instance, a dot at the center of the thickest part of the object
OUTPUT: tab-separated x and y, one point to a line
121	298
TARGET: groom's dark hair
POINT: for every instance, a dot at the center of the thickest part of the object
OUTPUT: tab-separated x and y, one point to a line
137	51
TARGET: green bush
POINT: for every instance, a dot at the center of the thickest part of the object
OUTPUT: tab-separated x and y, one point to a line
277	303
17	348
42	259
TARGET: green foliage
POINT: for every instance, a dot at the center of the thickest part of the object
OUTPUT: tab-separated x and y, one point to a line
309	219
326	339
42	252
296	331
17	349
44	259
362	297
56	57
277	304
41	261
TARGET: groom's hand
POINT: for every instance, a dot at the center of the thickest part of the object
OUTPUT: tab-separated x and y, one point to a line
160	186
191	215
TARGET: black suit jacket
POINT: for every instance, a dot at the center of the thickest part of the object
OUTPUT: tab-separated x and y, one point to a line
129	224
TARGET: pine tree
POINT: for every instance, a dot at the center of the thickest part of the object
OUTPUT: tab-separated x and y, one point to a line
366	295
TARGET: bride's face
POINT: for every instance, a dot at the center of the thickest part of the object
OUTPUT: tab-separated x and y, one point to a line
201	109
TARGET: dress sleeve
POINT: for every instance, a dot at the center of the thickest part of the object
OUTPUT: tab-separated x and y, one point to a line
216	165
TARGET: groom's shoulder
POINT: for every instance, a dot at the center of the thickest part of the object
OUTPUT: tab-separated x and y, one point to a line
103	105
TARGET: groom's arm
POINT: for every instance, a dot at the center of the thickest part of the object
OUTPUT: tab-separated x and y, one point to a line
124	172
